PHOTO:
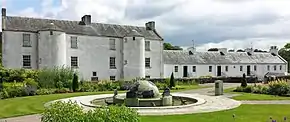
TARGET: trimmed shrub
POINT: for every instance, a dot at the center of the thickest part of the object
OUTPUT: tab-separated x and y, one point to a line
75	84
244	81
72	112
172	81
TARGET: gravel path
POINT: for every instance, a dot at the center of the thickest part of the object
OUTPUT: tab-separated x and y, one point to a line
205	91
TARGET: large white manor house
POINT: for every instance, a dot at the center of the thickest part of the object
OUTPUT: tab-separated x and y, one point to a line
108	51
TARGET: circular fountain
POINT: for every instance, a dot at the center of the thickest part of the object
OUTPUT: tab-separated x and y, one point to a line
145	97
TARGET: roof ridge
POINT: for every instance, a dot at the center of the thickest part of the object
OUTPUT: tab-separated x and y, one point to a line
54	19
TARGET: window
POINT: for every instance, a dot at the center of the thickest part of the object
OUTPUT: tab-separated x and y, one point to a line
26	61
74	42
241	68
209	68
268	67
147	76
112	62
94	73
112	44
193	68
280	67
112	78
275	68
51	32
26	40
147	62
175	68
74	61
227	68
255	68
147	45
134	38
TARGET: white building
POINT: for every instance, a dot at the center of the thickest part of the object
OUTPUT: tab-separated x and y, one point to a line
223	63
107	51
96	50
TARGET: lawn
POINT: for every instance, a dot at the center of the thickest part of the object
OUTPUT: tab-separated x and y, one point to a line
244	113
34	104
251	96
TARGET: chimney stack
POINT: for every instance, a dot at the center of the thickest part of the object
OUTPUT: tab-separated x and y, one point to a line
86	19
3	18
4	12
249	51
150	25
274	50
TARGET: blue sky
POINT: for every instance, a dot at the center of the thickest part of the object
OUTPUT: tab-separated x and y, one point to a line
211	23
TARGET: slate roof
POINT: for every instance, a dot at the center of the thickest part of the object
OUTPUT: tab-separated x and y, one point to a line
15	23
51	27
134	33
183	57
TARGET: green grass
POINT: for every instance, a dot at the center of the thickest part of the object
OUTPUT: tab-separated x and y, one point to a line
34	104
189	87
244	113
252	96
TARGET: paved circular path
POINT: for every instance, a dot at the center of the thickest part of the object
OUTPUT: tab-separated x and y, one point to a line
205	91
205	104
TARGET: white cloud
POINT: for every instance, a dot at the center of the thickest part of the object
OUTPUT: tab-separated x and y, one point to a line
212	23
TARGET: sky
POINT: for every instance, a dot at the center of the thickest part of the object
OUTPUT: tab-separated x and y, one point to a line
232	24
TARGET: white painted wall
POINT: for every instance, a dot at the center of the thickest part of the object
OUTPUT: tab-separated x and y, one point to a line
12	49
93	53
134	55
233	70
156	59
51	49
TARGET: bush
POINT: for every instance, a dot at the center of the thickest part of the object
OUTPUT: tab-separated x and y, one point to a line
75	84
57	77
72	112
62	90
30	82
45	91
172	81
29	91
278	88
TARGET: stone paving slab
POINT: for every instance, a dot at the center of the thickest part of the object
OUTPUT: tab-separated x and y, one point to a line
28	118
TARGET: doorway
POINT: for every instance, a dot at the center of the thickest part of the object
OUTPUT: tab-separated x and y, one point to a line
219	70
185	74
248	70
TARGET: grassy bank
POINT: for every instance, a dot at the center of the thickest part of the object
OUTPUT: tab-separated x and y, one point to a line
244	113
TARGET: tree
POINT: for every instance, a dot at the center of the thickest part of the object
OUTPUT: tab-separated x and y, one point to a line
168	46
257	50
75	83
240	50
172	81
285	53
213	49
